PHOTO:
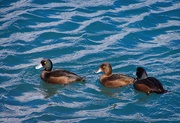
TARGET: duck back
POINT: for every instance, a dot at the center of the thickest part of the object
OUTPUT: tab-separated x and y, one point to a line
157	86
149	85
60	77
116	80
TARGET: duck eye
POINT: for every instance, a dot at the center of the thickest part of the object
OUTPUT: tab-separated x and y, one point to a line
43	63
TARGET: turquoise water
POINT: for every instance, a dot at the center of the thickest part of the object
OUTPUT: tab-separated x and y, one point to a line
79	35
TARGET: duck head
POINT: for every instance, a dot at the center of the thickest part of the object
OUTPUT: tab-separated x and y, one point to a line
141	73
106	68
46	64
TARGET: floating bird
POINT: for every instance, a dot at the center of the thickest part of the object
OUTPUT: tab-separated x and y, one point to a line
108	79
147	84
57	76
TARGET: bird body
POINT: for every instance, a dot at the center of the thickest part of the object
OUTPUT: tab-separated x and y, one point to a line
147	84
57	76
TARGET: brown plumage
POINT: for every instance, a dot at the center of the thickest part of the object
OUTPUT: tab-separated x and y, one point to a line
57	76
147	84
111	80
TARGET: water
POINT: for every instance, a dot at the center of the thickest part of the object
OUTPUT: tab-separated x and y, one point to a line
78	36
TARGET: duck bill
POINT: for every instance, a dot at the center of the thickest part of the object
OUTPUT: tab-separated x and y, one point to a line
39	66
98	71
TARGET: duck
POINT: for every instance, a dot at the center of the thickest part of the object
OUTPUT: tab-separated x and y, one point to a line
146	84
113	80
56	76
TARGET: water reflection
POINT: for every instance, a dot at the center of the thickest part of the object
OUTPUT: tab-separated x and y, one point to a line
48	89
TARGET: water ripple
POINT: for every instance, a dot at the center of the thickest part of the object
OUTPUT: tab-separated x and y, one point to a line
78	36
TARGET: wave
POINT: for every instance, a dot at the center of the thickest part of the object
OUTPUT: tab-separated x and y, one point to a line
79	36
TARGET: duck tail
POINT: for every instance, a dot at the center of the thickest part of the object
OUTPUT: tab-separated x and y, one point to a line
82	79
162	92
167	91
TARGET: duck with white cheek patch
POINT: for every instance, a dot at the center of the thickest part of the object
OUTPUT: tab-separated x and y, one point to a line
147	84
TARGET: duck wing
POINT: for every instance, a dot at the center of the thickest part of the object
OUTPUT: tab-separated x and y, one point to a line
154	84
58	73
157	85
121	77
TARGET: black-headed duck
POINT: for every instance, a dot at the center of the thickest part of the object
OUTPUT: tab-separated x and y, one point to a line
147	84
108	79
57	76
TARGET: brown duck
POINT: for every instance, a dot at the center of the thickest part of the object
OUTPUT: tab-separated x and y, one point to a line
57	76
147	84
108	79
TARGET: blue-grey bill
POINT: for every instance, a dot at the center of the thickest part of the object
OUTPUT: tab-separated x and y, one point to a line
39	66
98	71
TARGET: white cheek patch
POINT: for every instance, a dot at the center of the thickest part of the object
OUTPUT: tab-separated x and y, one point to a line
144	76
134	73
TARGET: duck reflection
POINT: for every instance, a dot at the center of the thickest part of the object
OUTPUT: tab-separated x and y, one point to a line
49	90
